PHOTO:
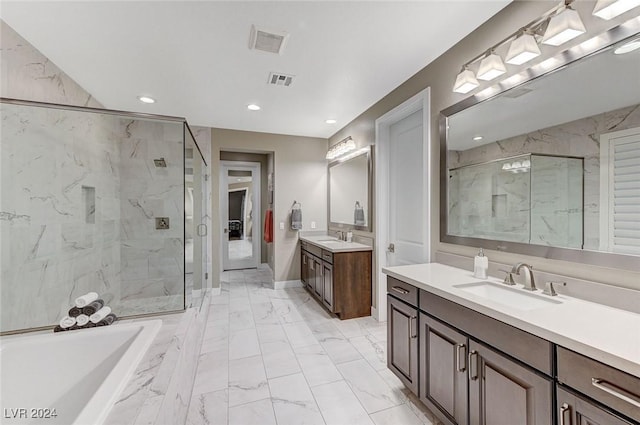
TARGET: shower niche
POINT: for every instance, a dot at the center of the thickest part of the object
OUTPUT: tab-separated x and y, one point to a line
528	198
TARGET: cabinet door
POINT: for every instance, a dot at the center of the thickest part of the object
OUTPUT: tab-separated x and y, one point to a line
327	281
317	280
502	391
402	342
574	410
303	268
443	370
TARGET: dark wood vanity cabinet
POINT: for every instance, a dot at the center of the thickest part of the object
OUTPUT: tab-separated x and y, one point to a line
506	379
502	391
402	340
340	281
574	409
443	369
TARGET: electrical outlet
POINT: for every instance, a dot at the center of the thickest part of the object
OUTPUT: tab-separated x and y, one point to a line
281	225
162	223
313	224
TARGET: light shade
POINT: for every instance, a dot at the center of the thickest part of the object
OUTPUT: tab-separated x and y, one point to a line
522	50
491	67
465	82
609	9
345	146
628	47
564	26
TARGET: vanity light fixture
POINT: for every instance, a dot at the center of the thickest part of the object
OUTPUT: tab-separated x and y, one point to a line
609	9
491	67
146	99
465	81
628	47
555	27
565	25
522	49
253	107
341	148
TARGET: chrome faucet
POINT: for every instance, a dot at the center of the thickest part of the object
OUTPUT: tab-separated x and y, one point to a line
529	281
340	235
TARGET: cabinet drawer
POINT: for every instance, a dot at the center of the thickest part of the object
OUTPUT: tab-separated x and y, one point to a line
312	249
529	349
401	290
608	385
327	256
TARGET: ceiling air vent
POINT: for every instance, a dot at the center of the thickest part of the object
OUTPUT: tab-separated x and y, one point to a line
267	40
277	79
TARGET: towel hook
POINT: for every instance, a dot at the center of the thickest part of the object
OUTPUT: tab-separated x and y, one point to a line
296	203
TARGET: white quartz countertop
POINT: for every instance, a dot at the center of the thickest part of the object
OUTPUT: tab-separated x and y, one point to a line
334	245
607	334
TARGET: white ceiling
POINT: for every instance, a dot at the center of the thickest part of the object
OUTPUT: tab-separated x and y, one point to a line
193	57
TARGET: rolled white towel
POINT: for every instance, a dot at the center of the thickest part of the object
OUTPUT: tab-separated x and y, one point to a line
86	299
100	314
67	322
82	320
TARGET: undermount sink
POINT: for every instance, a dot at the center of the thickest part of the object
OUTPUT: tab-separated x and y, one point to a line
509	296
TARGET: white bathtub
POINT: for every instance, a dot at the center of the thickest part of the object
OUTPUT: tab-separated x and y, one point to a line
78	373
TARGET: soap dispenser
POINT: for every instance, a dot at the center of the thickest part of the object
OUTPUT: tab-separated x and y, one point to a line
480	265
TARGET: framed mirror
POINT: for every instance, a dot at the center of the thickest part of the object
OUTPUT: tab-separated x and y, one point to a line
550	167
350	191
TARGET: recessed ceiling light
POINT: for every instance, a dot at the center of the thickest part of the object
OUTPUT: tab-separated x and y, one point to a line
253	107
628	47
331	121
477	138
146	99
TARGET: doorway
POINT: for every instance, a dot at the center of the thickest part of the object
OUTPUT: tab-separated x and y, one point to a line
403	191
240	214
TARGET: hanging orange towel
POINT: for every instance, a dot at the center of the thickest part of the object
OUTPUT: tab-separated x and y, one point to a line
268	226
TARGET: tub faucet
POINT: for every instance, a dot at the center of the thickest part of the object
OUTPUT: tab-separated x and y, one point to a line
529	281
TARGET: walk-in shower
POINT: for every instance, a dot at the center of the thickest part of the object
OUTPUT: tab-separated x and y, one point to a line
86	206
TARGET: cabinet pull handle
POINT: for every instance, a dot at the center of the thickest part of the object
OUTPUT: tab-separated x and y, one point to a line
413	332
473	365
461	357
399	290
563	411
616	391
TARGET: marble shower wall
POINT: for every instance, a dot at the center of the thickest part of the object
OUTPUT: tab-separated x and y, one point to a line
152	259
580	138
78	202
59	212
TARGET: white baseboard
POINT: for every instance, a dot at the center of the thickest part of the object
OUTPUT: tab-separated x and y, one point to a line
284	284
216	291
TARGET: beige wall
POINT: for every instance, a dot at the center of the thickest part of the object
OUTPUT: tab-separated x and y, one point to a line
439	76
300	174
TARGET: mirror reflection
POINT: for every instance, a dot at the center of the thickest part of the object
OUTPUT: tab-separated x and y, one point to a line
240	195
349	191
553	162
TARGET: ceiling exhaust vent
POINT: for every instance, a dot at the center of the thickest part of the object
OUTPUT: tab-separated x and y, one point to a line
267	40
277	79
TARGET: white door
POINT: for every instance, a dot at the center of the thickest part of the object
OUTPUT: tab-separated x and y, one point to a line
402	191
240	214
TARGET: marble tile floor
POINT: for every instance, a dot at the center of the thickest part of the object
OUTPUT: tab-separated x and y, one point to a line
276	357
240	249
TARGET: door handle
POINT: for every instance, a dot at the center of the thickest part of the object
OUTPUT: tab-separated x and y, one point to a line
563	412
461	357
413	331
473	365
391	248
616	391
201	230
399	290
